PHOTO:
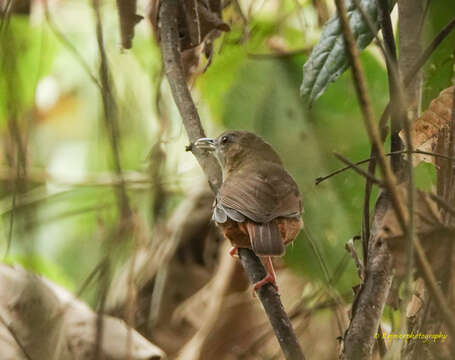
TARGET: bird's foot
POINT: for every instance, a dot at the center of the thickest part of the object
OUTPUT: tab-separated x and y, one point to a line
234	252
268	279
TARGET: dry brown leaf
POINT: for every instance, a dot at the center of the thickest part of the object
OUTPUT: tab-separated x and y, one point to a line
428	227
426	129
50	324
198	28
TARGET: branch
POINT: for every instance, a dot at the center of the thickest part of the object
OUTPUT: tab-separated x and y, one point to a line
272	305
172	59
253	267
338	171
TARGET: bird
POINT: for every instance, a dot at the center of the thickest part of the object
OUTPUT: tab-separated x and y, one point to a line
258	205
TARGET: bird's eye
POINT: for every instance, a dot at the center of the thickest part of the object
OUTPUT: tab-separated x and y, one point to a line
224	139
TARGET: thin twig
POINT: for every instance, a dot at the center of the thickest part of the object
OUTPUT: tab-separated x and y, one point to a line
359	170
65	42
110	114
170	47
336	172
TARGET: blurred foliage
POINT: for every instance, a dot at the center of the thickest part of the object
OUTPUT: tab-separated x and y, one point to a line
66	138
328	59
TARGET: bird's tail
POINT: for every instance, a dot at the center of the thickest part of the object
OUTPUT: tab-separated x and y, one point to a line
265	238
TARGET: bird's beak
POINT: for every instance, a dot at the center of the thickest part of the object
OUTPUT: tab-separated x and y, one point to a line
206	144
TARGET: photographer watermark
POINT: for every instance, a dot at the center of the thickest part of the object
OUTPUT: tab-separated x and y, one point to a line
413	336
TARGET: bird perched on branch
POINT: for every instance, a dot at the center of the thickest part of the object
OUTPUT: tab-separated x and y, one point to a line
258	205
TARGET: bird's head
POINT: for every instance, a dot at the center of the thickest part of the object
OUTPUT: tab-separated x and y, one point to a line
233	149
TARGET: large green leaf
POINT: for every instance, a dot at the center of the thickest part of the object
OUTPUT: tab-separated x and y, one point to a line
328	59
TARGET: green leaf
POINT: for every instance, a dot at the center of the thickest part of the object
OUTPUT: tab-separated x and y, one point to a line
328	59
425	176
438	71
25	64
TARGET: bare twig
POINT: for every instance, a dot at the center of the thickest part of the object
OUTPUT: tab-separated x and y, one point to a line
170	47
338	171
62	38
110	113
360	171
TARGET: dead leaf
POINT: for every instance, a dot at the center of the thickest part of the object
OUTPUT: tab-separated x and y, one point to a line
49	323
198	27
128	20
426	129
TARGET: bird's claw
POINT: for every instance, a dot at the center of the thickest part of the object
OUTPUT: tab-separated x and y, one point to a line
234	252
268	279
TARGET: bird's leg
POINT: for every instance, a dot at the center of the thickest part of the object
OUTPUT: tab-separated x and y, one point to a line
234	252
270	277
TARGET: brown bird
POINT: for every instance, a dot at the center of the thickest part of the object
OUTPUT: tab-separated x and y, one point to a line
258	205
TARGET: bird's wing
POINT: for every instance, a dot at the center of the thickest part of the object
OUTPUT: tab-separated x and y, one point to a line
262	195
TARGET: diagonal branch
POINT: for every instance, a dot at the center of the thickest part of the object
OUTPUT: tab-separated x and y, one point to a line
172	59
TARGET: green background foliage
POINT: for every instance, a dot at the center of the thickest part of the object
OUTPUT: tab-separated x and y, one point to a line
66	225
